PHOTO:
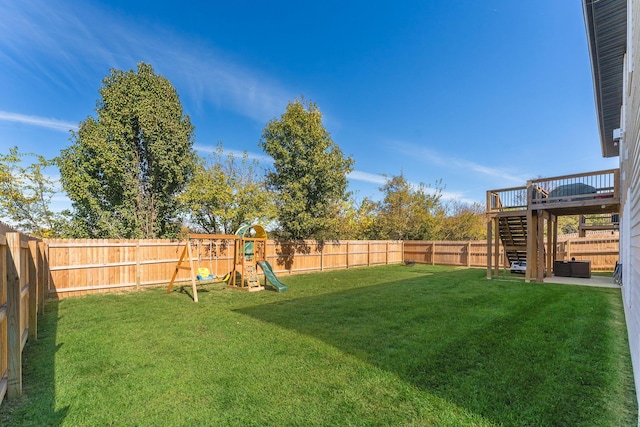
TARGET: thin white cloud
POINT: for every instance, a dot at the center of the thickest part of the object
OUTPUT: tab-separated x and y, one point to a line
445	195
75	45
261	158
379	179
367	177
54	124
458	197
453	162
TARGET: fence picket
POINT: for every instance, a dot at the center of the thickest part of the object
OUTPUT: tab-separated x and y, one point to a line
123	264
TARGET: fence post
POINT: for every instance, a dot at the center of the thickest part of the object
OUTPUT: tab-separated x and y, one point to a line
433	253
46	275
386	253
34	276
4	250
347	254
138	264
14	352
41	276
469	253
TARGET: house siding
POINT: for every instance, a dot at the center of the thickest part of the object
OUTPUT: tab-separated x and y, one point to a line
630	181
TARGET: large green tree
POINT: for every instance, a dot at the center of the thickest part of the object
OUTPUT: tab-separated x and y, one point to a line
27	192
227	192
127	166
354	221
464	222
309	175
410	212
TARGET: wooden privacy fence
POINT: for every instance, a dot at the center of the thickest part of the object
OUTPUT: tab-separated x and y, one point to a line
21	297
462	253
82	266
601	250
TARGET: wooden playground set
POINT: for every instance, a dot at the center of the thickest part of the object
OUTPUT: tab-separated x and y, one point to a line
249	246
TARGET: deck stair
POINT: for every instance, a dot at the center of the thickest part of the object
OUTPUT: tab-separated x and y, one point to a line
513	233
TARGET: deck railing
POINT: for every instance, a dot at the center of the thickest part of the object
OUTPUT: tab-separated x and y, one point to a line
607	220
579	187
567	188
507	199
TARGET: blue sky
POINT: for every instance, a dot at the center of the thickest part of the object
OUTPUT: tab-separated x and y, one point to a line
481	95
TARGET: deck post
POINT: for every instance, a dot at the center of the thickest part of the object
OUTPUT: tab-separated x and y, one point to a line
540	247
532	225
496	239
555	243
550	222
489	247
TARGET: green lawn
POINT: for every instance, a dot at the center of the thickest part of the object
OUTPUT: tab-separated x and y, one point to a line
390	345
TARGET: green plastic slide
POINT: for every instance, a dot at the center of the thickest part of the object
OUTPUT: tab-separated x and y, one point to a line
271	277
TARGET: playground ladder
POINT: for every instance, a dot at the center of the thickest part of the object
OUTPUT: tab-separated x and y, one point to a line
252	276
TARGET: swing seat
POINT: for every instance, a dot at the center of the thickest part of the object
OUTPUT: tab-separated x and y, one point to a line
204	274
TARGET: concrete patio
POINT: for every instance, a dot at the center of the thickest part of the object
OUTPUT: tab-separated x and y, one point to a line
599	281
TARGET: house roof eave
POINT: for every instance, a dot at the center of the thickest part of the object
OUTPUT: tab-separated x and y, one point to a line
606	24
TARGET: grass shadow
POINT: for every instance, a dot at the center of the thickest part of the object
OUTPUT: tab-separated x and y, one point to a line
37	405
514	353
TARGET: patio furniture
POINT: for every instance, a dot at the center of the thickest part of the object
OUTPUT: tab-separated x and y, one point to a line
580	269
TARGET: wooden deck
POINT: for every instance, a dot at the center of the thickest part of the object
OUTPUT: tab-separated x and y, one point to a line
530	214
603	195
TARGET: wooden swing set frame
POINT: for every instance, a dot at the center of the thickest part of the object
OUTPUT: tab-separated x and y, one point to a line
243	274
